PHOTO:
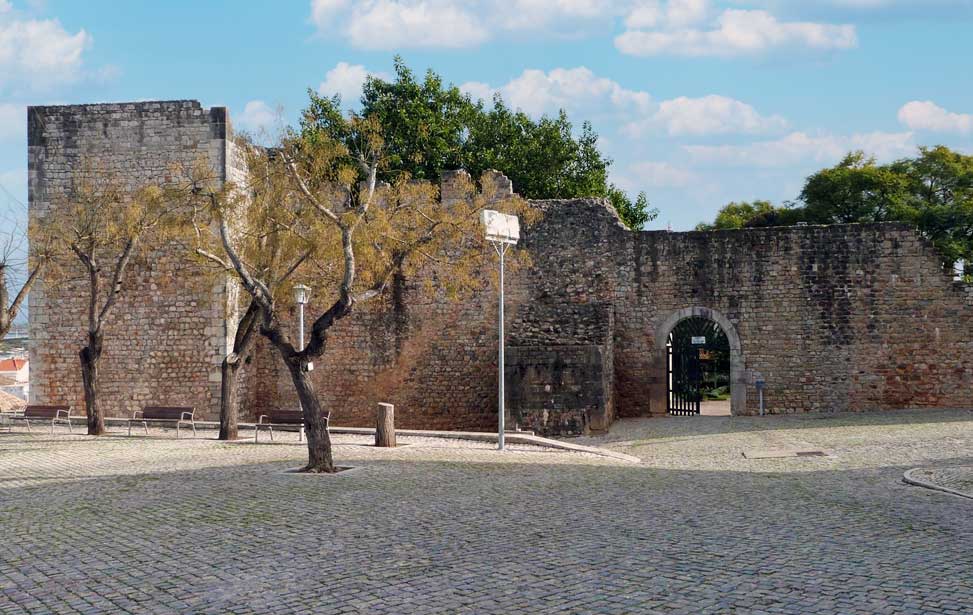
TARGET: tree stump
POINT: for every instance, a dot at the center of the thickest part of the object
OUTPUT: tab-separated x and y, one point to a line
385	426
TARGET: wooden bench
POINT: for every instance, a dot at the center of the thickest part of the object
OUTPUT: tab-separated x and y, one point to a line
279	418
164	414
52	414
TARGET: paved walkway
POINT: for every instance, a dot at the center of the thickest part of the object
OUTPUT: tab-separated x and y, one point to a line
164	526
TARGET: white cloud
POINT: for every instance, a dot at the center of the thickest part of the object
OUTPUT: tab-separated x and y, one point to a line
662	175
346	80
530	14
478	90
799	147
927	115
388	24
673	14
579	90
257	117
710	115
398	24
13	121
682	13
39	53
325	12
536	92
736	32
4	6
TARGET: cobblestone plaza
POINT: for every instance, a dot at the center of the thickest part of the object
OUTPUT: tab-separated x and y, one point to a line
159	525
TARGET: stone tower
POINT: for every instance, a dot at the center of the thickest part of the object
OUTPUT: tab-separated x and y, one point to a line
167	337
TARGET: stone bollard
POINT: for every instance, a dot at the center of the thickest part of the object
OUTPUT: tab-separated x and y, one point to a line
385	426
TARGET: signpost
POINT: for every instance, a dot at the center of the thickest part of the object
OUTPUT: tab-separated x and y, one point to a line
502	231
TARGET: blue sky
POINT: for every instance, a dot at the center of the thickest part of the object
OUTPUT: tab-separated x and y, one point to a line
698	102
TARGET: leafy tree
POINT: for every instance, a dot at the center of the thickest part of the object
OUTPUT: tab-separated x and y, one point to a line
423	123
939	201
542	158
635	214
430	127
736	215
854	190
314	206
933	191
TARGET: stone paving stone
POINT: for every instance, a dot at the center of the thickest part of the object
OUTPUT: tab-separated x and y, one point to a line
158	525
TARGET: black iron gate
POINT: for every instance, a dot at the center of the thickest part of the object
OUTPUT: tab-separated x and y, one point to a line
685	380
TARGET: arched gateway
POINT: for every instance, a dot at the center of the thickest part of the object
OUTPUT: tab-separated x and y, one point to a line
662	362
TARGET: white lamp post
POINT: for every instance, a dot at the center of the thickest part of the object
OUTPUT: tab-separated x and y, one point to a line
302	294
502	231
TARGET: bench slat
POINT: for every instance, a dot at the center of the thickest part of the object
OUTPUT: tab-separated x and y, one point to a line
166	413
44	412
285	417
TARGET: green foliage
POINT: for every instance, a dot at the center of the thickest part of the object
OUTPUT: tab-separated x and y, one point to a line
429	127
424	123
736	215
933	191
939	200
854	190
635	214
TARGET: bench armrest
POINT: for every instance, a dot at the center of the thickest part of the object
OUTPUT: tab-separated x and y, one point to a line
137	414
260	419
66	413
185	414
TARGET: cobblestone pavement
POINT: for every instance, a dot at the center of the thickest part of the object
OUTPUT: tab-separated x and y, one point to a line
156	525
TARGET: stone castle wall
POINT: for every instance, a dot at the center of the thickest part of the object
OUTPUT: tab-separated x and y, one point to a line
848	317
166	337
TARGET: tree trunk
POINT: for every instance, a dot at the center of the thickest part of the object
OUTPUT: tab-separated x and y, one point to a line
320	457
90	356
385	426
243	343
229	429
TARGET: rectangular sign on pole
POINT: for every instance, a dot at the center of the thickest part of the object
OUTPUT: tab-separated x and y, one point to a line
500	227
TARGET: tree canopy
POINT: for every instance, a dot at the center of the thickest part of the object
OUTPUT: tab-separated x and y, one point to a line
430	127
932	190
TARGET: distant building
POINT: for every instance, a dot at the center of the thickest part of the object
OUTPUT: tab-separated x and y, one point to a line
15	376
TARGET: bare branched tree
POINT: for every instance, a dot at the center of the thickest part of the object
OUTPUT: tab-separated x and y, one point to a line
102	226
313	207
18	271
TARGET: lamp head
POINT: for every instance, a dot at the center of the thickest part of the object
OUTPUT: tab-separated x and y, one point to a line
302	294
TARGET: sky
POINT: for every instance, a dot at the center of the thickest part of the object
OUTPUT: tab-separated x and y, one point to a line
697	102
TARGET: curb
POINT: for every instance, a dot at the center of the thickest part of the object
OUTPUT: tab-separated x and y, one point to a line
514	437
910	479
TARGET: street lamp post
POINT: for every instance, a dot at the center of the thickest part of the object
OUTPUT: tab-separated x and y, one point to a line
302	294
502	231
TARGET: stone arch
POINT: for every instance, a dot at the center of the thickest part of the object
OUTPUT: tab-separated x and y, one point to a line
738	376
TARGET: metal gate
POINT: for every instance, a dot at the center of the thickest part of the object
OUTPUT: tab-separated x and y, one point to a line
685	380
